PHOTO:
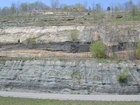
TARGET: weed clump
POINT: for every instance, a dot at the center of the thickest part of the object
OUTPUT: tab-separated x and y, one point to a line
122	77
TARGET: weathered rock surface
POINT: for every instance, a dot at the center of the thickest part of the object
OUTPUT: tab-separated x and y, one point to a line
117	37
44	34
70	47
69	76
106	32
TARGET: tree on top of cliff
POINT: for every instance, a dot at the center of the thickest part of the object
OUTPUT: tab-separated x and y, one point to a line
108	8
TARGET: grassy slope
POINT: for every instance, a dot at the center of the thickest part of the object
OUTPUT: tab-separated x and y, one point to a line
25	101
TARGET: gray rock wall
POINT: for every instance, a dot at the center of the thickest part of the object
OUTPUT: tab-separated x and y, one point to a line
61	75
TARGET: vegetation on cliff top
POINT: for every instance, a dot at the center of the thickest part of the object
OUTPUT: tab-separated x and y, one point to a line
38	13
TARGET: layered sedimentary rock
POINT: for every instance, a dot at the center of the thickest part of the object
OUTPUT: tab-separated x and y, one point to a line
106	32
119	40
61	44
79	76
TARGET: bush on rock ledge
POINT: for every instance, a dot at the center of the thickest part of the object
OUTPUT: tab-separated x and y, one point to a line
97	49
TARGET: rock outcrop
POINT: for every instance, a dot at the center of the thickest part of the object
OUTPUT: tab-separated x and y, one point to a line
120	41
52	53
63	75
69	47
106	32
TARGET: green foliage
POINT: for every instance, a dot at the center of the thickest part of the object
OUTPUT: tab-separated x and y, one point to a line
97	49
76	74
108	8
74	36
138	50
27	101
107	60
31	40
18	40
127	16
137	53
122	77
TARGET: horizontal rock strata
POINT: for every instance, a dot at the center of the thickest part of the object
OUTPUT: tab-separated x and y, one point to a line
68	75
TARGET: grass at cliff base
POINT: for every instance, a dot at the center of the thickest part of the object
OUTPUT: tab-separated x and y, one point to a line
26	101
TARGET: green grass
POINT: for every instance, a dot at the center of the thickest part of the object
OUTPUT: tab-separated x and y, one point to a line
25	101
105	60
30	40
127	16
22	18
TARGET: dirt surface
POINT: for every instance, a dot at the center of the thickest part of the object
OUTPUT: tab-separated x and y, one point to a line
71	97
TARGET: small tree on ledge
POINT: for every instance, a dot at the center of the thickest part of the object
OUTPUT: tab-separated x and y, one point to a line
97	49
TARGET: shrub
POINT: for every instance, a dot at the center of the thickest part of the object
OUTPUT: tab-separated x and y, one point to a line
30	40
97	49
76	74
122	77
138	50
74	36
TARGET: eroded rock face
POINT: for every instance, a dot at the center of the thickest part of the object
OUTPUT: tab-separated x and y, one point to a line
106	32
63	75
120	41
69	47
41	34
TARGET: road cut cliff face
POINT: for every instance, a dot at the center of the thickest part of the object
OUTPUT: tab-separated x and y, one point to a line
74	76
44	34
108	32
120	40
62	60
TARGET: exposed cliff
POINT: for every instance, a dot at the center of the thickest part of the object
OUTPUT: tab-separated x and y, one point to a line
120	39
50	43
61	75
108	32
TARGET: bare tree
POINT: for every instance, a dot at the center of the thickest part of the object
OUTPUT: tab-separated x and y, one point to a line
128	5
0	11
85	4
24	7
138	4
93	6
133	11
120	6
112	5
18	9
98	7
64	7
5	11
13	8
54	4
